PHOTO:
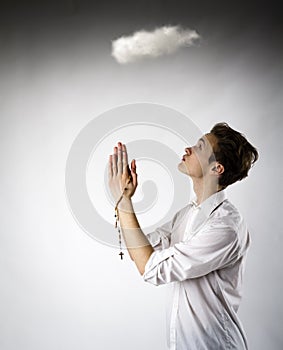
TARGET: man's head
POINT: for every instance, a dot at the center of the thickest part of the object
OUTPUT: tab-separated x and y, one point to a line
234	152
223	155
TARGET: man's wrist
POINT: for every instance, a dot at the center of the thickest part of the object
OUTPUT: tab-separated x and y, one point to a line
126	205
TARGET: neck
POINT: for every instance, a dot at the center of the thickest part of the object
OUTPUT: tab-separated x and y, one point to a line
203	189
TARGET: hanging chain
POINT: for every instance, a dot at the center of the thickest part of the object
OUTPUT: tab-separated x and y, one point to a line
117	225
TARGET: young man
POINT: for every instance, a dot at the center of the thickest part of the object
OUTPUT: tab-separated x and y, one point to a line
202	250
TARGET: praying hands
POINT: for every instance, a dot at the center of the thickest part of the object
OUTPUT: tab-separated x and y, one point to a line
122	179
123	184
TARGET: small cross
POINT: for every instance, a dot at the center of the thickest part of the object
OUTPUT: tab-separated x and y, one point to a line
121	254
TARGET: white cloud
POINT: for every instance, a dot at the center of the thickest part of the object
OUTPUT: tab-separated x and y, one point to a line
162	41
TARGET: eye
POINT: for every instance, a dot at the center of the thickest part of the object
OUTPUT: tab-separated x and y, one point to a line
200	146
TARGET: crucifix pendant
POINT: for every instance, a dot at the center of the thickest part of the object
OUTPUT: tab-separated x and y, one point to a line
121	255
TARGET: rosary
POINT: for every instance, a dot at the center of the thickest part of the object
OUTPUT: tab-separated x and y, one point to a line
117	218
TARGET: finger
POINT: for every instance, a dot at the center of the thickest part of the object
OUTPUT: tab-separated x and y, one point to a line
125	159
114	161
110	170
119	159
134	172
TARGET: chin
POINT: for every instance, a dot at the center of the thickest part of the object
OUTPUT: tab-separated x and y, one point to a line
182	168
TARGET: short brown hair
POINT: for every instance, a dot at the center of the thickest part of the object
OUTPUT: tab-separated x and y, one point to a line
234	152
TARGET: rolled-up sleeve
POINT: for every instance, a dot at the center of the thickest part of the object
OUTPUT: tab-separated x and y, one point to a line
210	249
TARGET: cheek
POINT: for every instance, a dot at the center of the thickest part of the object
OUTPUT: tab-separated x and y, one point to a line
197	161
200	164
201	159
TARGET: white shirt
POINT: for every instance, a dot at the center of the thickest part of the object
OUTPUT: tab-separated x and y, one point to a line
206	266
190	219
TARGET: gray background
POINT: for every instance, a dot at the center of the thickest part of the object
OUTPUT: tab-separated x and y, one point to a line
59	288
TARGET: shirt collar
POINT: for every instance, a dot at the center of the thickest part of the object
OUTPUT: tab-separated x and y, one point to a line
210	203
206	208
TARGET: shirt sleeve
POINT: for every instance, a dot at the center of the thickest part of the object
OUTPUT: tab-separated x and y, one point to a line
212	248
161	237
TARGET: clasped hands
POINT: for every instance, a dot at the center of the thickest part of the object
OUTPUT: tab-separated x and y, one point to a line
121	179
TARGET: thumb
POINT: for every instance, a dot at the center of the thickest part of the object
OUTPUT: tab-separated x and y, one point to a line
133	172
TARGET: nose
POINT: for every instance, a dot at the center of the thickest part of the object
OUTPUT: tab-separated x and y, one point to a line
188	150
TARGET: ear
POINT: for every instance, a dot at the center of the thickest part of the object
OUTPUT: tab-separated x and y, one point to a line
217	168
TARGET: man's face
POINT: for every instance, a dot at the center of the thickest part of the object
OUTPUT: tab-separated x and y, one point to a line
195	162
